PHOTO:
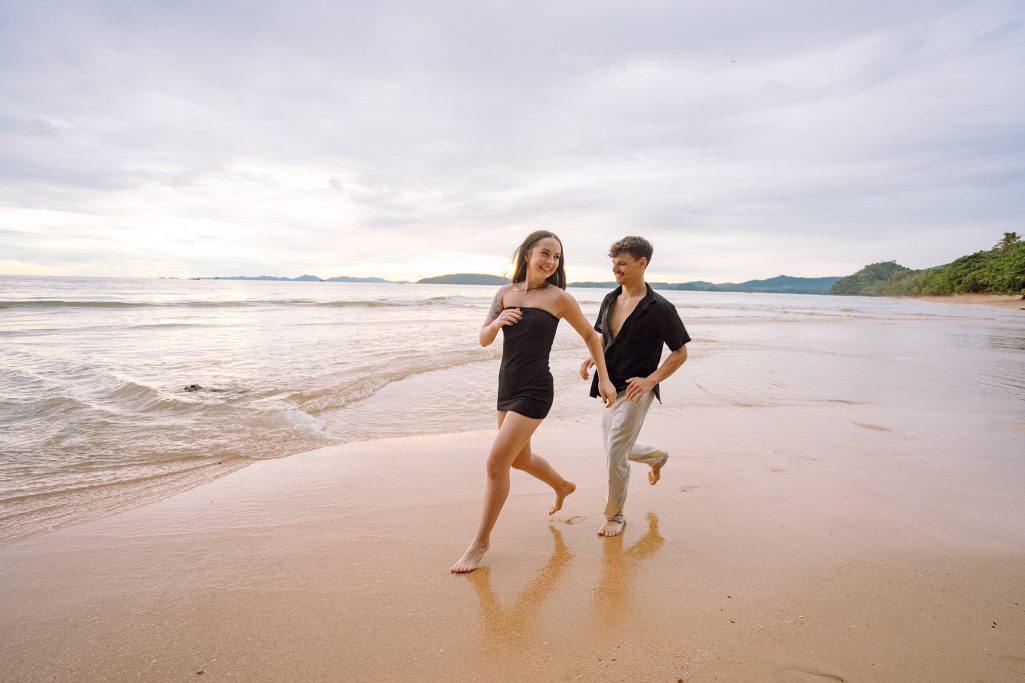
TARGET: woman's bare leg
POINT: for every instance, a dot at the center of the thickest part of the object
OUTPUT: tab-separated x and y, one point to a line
513	434
536	466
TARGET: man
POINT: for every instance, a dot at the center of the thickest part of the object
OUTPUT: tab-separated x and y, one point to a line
634	323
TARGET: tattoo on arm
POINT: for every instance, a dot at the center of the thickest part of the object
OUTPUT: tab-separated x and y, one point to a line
496	306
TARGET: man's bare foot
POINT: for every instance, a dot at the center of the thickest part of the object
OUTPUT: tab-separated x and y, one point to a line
611	528
560	496
656	472
470	559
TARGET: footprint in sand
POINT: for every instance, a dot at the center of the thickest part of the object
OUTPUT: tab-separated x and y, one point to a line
796	674
576	519
684	489
873	427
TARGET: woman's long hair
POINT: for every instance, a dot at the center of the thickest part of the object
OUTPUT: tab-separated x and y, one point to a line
522	253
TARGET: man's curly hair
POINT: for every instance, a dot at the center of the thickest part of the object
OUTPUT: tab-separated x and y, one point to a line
633	245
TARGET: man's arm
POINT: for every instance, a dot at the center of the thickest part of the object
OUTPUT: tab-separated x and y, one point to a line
639	386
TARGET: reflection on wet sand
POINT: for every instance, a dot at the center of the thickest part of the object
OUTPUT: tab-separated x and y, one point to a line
511	626
617	569
515	626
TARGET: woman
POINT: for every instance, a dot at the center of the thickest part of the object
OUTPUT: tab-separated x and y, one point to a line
528	310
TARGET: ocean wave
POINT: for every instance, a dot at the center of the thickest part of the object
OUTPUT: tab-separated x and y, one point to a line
125	476
360	304
290	420
130	391
43	408
387	303
25	514
33	303
249	303
158	326
339	396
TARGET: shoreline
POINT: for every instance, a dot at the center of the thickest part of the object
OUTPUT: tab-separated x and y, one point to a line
133	495
777	553
76	506
1005	301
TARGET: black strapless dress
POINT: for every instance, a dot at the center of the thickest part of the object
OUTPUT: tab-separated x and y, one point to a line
524	380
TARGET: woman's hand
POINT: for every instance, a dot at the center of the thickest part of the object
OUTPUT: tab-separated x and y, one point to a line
497	318
607	391
509	316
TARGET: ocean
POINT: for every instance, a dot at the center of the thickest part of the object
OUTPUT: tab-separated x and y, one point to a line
117	391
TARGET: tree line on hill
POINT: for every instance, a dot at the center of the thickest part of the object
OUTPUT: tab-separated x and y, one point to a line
1000	270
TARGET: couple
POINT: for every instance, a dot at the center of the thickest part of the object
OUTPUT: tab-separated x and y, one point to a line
625	345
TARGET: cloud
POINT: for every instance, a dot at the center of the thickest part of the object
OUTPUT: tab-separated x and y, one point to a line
745	141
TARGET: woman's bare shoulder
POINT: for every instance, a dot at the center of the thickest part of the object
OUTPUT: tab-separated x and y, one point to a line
503	290
563	300
498	303
564	295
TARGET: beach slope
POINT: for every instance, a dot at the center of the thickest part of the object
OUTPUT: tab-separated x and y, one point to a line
827	542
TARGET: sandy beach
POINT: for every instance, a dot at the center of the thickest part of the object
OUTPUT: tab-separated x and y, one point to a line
843	502
999	300
837	541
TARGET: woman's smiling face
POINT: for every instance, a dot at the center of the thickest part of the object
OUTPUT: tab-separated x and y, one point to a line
545	257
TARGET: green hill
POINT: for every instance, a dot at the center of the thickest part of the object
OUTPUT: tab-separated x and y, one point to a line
1000	270
781	284
464	279
869	278
347	278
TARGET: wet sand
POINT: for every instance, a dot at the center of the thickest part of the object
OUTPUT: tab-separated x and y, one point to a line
999	300
825	542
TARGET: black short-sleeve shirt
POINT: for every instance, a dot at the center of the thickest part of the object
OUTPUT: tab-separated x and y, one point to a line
637	349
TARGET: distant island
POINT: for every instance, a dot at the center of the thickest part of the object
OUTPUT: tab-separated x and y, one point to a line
301	278
781	284
1000	270
464	279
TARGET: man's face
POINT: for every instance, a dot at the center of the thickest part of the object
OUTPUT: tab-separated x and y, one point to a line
628	269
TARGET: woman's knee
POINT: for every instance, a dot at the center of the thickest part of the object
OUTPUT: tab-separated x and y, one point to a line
496	467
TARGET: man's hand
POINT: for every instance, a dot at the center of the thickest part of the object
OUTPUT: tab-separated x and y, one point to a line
637	387
585	368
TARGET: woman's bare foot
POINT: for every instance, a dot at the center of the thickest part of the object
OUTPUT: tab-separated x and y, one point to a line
470	559
611	528
560	496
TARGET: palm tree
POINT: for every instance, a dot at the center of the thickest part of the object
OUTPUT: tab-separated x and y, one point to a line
1007	243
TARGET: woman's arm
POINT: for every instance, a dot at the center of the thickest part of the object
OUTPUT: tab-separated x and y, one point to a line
575	317
497	319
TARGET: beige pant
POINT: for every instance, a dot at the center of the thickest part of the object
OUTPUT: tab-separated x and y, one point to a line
620	426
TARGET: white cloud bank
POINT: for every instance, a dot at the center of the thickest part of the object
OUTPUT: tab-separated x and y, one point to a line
409	139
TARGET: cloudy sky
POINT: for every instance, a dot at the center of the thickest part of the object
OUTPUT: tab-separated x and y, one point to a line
408	139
